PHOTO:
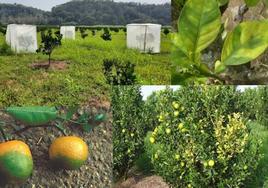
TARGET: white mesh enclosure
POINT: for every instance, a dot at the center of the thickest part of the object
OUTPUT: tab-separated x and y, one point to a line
68	32
145	37
22	38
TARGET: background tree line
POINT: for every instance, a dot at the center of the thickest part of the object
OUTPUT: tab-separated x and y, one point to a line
87	12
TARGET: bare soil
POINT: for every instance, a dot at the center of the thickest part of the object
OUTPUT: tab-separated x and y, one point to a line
54	65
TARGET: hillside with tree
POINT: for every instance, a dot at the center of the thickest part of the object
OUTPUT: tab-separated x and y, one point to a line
87	12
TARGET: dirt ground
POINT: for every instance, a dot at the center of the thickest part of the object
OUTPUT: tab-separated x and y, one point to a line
96	173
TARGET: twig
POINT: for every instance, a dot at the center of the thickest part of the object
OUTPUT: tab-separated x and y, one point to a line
39	140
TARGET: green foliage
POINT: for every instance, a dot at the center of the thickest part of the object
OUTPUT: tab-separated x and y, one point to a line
128	127
252	2
176	7
202	139
93	32
2	29
255	103
83	33
119	73
199	25
106	35
49	43
33	115
5	49
166	31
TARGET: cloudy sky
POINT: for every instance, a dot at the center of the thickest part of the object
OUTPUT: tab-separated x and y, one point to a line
48	4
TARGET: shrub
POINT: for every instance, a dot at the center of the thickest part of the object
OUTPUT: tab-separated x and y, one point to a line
119	73
106	34
93	32
255	104
166	31
83	32
202	140
5	49
128	127
3	30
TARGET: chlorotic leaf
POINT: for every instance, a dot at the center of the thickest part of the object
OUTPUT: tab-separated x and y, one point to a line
33	116
199	25
252	3
245	43
179	54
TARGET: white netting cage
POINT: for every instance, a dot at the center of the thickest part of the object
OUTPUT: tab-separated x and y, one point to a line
68	32
145	37
22	38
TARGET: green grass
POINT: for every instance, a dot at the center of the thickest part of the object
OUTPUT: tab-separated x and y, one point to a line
259	179
20	85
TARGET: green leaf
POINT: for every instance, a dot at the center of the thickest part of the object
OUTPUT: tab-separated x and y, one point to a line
199	25
223	2
245	43
179	54
36	115
87	127
252	3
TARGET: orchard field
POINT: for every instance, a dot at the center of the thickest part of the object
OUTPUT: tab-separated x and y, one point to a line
194	136
83	76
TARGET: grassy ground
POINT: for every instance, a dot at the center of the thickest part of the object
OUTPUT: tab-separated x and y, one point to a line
20	85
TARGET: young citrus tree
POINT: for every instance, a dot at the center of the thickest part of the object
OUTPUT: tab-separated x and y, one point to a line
106	35
48	43
83	32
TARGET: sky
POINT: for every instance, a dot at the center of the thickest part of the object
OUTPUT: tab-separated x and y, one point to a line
48	4
148	90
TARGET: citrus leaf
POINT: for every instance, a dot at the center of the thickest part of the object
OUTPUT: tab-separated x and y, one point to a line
179	54
245	43
223	2
252	3
36	115
199	25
